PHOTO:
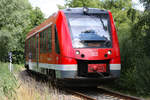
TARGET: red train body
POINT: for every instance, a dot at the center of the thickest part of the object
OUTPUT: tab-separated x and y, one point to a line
75	43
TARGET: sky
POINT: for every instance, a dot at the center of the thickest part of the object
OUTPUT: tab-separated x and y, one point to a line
48	7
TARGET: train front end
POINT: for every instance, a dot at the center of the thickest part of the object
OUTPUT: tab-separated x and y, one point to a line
88	40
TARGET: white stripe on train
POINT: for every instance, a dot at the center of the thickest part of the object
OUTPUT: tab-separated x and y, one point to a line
62	67
66	67
115	66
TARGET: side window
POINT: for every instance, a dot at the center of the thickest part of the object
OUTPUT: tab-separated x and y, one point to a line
46	41
32	53
34	47
26	48
45	38
56	41
49	39
29	46
41	42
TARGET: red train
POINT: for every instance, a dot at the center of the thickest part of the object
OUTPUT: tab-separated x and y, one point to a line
75	44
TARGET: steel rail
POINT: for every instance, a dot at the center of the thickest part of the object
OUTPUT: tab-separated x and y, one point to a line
77	94
106	93
81	95
118	94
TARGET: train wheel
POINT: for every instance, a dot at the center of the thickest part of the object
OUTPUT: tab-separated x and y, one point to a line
27	68
51	76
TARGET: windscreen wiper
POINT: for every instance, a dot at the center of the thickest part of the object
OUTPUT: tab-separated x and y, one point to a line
107	43
102	23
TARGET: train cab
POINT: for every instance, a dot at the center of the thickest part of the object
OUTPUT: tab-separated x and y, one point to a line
88	40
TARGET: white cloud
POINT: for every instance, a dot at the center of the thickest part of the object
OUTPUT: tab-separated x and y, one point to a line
48	7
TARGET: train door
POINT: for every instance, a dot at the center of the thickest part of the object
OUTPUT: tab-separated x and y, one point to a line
57	50
29	55
37	51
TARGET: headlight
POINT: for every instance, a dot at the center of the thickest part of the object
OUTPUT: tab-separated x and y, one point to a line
109	52
77	52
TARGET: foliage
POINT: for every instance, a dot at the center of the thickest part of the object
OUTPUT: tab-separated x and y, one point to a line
83	3
4	39
17	17
60	6
146	3
8	82
135	55
141	39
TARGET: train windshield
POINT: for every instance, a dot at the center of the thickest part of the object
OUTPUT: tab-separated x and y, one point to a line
90	31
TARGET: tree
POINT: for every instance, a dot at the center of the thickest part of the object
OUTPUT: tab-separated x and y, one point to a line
117	4
16	19
60	6
36	17
83	3
140	38
146	3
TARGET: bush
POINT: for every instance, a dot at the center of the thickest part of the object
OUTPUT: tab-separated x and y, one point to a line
8	81
143	76
135	57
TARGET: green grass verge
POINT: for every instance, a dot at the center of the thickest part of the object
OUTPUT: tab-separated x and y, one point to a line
8	81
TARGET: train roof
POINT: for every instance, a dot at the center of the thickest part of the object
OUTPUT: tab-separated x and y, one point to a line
42	26
81	10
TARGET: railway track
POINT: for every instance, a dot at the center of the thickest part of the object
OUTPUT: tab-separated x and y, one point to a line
98	93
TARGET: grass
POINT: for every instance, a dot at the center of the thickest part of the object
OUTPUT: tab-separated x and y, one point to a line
14	88
29	92
8	81
31	89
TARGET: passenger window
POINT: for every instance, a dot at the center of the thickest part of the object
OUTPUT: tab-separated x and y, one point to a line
30	48
49	37
41	42
45	41
26	48
56	41
34	47
29	45
45	38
